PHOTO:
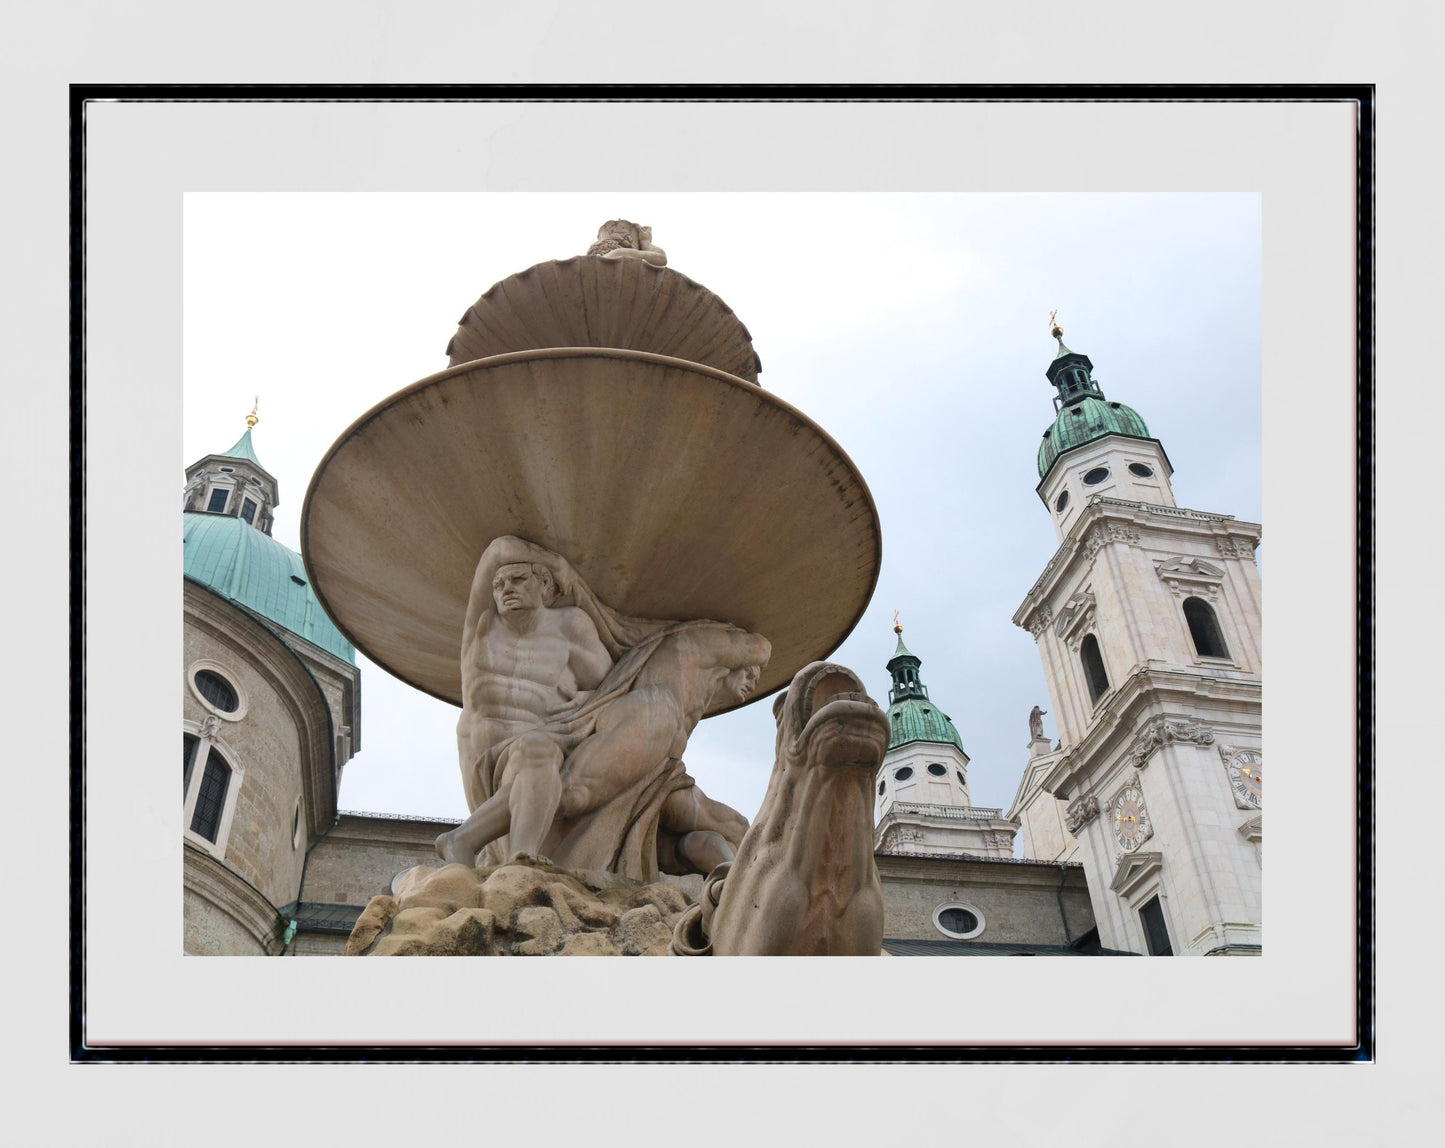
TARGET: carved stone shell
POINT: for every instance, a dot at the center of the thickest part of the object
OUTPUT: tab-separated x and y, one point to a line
588	301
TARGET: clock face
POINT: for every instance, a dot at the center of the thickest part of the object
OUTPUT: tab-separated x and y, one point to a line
1131	822
1246	777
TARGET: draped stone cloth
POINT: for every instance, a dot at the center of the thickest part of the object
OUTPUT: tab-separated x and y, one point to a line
619	835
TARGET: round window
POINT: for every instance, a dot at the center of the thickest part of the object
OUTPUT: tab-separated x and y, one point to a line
903	774
1062	501
216	690
1096	476
959	921
1141	470
937	770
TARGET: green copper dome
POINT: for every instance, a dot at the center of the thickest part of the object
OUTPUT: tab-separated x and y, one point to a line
911	715
1084	413
252	569
1084	421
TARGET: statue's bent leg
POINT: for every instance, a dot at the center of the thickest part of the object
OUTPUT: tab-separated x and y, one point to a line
534	771
488	821
692	809
632	738
704	850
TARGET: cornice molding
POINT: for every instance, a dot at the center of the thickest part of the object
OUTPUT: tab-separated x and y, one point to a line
213	882
1115	720
1233	538
1161	731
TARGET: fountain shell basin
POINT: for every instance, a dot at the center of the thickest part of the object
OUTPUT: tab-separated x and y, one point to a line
675	489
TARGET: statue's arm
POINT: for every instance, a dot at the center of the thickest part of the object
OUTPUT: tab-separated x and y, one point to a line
588	658
735	649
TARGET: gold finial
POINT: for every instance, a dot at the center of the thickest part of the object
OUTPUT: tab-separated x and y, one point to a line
1054	329
251	419
897	625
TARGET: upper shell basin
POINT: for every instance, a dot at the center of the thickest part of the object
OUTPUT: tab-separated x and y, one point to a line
589	301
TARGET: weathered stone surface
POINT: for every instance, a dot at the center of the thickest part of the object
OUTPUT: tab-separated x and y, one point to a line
374	918
543	929
524	908
640	931
589	945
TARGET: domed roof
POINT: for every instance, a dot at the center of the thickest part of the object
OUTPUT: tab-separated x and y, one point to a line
1085	420
918	719
248	567
912	716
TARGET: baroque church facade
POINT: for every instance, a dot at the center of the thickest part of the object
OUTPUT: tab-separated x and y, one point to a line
1140	830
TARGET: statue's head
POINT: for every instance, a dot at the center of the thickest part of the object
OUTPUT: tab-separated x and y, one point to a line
522	586
737	685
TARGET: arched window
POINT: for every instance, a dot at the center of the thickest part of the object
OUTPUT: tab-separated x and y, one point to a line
1094	672
1204	629
210	782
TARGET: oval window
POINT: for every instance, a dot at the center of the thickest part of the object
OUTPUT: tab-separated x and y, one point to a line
216	690
1096	476
1141	470
1062	501
882	788
960	921
959	774
936	769
903	774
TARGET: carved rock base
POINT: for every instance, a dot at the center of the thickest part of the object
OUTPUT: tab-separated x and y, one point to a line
527	907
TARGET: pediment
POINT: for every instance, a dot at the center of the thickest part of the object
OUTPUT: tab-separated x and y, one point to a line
1077	610
1190	568
1133	869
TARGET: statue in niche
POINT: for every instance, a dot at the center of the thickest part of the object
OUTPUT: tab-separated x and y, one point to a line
574	721
1036	723
622	239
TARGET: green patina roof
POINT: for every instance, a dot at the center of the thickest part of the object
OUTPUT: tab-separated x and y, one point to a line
244	449
911	715
1085	420
253	570
918	719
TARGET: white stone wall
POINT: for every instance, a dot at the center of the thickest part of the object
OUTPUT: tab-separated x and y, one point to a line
1114	453
1123	575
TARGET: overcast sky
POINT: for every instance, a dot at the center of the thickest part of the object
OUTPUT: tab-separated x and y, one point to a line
912	328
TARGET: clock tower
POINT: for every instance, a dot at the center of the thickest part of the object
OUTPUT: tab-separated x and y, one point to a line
1147	620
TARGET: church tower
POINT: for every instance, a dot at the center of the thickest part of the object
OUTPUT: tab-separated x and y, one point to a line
923	799
1147	620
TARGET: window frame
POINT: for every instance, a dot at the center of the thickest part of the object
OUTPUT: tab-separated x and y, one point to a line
1094	698
1213	619
207	735
226	674
974	910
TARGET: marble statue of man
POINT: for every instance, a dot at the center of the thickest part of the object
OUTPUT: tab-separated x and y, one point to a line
1036	723
574	721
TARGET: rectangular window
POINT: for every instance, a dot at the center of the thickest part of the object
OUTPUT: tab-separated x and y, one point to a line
248	511
218	500
1156	936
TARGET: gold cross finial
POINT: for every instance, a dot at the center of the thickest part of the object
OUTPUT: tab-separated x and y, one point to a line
1054	329
897	625
251	419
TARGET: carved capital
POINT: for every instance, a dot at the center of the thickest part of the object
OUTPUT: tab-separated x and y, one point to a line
1040	621
1230	546
1105	532
1081	811
1160	731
